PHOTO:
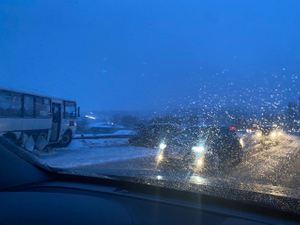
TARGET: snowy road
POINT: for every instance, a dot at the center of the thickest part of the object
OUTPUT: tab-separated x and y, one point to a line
274	165
94	151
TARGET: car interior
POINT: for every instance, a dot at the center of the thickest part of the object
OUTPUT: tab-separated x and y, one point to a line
150	112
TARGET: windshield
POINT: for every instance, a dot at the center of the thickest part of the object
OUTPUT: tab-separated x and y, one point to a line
105	87
194	133
266	130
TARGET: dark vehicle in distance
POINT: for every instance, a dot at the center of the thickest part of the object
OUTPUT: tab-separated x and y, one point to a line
152	135
202	147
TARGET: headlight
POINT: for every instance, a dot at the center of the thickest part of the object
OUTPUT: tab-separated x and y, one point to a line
242	142
162	146
160	157
279	133
273	134
198	149
258	134
199	162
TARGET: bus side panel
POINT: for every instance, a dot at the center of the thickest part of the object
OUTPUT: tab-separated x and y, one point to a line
22	124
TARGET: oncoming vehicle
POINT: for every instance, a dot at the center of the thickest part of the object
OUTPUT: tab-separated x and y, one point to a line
269	135
35	120
151	136
202	147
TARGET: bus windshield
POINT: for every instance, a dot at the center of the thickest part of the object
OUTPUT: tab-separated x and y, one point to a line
70	110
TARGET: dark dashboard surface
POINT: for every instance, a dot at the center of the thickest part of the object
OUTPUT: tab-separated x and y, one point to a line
63	203
88	201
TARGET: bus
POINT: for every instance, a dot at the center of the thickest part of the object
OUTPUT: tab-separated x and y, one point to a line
36	121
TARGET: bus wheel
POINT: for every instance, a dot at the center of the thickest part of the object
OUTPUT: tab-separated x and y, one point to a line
65	139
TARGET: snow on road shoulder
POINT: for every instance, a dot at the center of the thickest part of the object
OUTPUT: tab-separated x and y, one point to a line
117	133
94	151
91	143
124	132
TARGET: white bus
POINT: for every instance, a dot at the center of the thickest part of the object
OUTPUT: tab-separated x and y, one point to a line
35	120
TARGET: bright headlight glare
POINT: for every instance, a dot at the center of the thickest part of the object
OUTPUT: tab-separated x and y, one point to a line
258	134
273	134
198	149
279	133
160	157
162	146
242	142
199	162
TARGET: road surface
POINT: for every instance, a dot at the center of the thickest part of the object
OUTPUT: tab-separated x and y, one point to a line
262	164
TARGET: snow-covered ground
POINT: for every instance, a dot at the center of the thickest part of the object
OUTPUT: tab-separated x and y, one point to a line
94	151
124	132
119	132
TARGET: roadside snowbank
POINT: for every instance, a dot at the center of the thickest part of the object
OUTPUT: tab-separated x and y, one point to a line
94	151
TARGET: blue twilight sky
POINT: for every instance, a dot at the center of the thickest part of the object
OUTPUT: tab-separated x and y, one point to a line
153	54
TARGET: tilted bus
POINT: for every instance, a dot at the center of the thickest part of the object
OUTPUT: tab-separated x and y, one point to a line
40	120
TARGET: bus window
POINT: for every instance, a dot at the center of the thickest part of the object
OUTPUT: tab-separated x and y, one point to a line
28	106
42	107
70	110
10	104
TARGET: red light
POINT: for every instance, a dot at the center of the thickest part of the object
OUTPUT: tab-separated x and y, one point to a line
231	128
251	129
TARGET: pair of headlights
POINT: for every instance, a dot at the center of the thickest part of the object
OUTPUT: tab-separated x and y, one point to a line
199	162
273	134
162	146
198	149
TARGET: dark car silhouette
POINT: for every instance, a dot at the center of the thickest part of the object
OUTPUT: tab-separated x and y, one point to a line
153	135
201	147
